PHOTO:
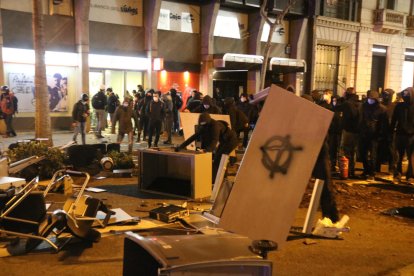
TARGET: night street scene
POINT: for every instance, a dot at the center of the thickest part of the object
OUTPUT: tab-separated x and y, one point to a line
207	137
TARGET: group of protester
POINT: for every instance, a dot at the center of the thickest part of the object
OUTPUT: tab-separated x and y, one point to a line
376	130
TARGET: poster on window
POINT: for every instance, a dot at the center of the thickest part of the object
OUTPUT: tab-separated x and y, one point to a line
57	86
22	85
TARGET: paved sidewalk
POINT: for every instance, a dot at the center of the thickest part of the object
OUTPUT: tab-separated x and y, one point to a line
61	138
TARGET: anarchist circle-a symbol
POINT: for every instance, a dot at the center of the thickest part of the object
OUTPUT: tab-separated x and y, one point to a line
277	154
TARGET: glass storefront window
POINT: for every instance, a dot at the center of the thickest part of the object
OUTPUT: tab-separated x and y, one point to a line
132	80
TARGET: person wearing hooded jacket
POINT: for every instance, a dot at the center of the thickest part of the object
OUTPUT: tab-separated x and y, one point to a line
143	116
207	105
80	113
239	121
156	114
123	115
374	129
402	124
350	122
215	136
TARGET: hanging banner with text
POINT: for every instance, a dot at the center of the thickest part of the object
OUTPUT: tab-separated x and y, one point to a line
179	17
124	12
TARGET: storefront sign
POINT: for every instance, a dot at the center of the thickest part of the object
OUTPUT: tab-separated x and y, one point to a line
236	25
179	17
280	35
124	12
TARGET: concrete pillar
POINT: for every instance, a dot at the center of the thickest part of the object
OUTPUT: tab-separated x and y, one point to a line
151	15
208	21
81	8
1	52
255	29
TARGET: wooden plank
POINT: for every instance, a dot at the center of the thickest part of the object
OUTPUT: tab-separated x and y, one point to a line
313	207
262	207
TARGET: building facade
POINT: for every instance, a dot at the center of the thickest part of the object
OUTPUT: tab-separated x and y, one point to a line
204	45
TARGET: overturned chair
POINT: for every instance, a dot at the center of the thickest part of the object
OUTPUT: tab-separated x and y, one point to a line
24	215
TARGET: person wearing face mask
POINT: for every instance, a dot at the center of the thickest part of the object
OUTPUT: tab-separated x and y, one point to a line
207	105
402	124
350	122
239	121
374	129
215	136
156	113
124	115
386	150
80	113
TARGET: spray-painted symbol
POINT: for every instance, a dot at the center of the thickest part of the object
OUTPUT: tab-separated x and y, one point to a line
277	154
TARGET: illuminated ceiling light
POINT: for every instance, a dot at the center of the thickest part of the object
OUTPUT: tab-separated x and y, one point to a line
118	62
379	50
27	56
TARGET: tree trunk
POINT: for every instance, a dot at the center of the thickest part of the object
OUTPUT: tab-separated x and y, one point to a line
42	116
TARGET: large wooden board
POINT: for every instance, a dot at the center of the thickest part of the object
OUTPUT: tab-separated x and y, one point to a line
190	120
262	207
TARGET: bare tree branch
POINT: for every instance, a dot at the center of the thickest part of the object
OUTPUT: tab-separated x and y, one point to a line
273	25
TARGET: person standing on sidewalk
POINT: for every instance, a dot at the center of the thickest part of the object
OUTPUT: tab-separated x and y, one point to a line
374	129
402	124
7	104
350	123
79	114
124	114
113	102
155	111
99	103
169	118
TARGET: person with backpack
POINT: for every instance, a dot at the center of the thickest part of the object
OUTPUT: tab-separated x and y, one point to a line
113	102
215	136
7	104
99	103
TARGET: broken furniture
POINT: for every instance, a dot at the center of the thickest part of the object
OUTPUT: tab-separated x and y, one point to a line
185	174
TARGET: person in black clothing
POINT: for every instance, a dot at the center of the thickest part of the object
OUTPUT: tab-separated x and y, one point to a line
99	103
194	101
335	131
207	106
350	122
402	123
141	91
386	149
374	128
143	116
212	133
177	104
79	114
322	170
156	112
249	110
113	102
239	121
